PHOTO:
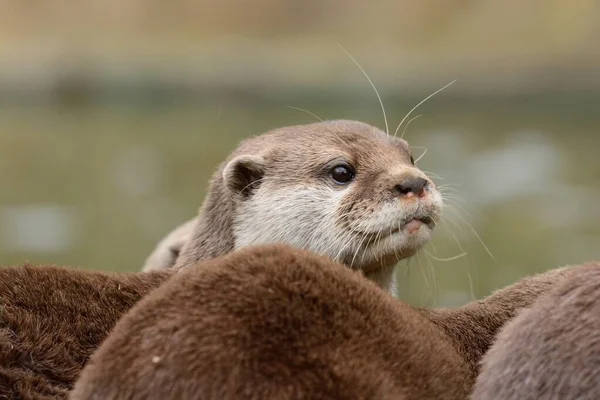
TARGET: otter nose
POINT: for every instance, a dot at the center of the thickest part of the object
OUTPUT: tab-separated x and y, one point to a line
414	185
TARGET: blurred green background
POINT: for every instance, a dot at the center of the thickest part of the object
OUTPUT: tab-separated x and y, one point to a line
114	114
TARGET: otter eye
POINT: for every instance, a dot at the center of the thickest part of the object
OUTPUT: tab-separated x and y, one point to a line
412	160
342	174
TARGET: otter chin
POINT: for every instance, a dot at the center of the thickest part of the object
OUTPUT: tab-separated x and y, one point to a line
343	189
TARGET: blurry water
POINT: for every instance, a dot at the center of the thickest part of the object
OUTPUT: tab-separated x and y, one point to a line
98	187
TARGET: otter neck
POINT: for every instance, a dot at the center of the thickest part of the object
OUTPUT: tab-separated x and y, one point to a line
473	327
385	278
212	235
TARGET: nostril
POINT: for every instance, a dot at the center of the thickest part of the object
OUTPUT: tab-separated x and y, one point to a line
411	185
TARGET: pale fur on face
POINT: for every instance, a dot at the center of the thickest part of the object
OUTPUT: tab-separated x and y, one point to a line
318	227
279	187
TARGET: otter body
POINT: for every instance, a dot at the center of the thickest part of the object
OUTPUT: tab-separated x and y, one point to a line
550	350
271	322
52	319
343	189
167	250
340	188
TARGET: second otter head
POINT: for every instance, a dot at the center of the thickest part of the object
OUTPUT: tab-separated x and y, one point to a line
344	189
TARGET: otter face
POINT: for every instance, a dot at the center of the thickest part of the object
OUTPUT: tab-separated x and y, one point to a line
339	188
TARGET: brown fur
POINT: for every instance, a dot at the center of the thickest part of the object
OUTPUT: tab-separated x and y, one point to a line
52	319
551	350
274	322
474	326
358	143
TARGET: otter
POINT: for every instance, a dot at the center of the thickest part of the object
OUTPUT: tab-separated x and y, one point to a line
550	350
52	318
274	321
167	250
352	192
340	188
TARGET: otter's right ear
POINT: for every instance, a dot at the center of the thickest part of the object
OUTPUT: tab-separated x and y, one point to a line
242	175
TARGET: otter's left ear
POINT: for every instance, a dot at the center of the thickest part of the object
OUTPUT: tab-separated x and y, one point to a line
242	175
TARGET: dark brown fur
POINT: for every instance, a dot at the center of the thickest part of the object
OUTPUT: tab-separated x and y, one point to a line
52	319
551	350
274	322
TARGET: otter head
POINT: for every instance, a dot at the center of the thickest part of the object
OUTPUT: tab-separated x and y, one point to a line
344	189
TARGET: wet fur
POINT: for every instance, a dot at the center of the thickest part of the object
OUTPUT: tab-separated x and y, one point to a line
277	322
551	350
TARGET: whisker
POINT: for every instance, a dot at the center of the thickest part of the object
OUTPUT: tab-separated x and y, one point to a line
387	129
459	207
446	186
407	125
305	111
423	272
421	156
471	286
349	237
435	286
421	102
358	248
428	283
478	237
461	255
432	174
450	195
452	221
433	244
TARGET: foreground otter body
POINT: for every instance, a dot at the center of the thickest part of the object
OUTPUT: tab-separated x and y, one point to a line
276	322
52	319
551	350
343	189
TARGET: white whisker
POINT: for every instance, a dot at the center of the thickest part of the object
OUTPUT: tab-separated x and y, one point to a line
421	156
471	286
461	255
407	125
432	174
478	237
421	102
306	111
387	129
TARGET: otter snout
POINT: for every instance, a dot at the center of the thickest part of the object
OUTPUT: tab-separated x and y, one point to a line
410	186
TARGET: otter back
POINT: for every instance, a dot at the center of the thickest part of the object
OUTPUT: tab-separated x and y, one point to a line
273	322
52	319
551	350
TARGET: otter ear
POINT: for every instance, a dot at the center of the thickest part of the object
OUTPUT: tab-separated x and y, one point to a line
242	175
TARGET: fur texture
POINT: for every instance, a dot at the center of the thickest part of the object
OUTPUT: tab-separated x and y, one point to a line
168	249
474	326
278	188
273	322
52	319
551	350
